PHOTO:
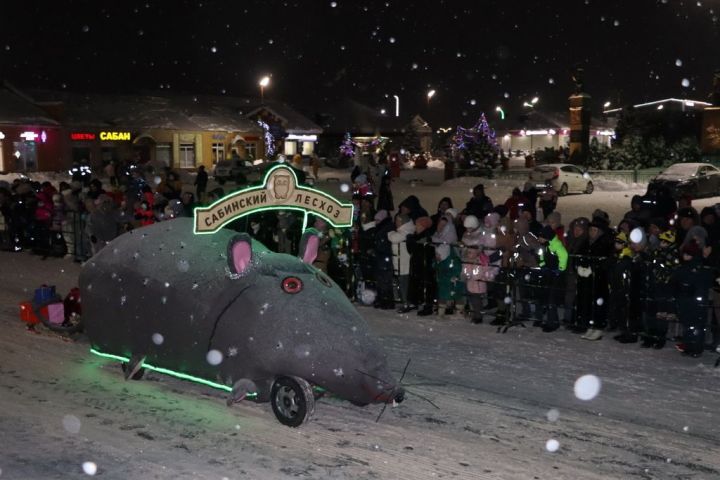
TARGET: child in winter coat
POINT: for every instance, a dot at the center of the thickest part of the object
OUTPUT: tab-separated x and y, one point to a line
404	226
447	264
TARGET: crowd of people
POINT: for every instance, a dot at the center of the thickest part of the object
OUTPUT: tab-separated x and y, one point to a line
657	268
514	261
80	217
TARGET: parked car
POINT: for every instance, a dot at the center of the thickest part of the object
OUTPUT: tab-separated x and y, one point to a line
233	170
693	179
565	178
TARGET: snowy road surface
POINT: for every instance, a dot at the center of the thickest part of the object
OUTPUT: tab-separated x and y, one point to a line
498	396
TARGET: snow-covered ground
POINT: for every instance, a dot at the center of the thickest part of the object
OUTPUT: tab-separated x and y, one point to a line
501	398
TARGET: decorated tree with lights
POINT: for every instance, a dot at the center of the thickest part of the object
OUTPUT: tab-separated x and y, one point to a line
477	144
347	147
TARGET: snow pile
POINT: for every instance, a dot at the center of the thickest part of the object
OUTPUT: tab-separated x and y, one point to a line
438	164
615	185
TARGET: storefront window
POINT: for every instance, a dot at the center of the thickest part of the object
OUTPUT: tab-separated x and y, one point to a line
308	148
218	152
290	147
187	155
251	150
26	154
163	153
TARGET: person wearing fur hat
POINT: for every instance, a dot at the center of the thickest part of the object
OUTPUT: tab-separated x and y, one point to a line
691	283
553	259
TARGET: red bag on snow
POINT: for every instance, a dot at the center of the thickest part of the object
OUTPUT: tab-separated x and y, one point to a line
72	303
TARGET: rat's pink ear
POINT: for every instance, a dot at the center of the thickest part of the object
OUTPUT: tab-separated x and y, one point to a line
309	245
239	253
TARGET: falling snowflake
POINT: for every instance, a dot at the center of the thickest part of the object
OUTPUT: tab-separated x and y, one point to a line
183	265
338	372
123	299
213	49
89	468
391	39
85	28
333	4
551	81
232	351
344	187
587	387
71	423
678	63
685	82
553	414
158	339
552	445
214	357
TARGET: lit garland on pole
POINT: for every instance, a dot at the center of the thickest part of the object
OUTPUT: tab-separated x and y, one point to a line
269	139
347	147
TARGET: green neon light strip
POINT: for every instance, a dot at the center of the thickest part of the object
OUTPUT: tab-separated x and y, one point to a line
275	207
173	373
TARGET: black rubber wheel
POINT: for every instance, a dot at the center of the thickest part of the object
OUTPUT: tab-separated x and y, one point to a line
292	400
138	375
590	188
72	325
563	190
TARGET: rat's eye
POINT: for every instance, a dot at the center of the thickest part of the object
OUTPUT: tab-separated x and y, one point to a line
292	285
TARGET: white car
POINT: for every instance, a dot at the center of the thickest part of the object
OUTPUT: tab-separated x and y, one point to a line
565	178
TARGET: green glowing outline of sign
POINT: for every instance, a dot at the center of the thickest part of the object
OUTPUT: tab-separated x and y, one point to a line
274	207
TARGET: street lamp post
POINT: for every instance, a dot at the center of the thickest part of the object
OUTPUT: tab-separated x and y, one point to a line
264	82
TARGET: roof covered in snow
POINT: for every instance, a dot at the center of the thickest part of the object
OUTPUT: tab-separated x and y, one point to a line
144	112
363	120
15	109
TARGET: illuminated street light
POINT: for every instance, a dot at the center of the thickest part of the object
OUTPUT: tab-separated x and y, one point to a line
502	112
430	94
264	82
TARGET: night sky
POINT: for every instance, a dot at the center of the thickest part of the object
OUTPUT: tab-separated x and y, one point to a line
475	54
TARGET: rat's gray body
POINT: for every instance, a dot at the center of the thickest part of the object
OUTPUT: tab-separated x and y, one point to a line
163	279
